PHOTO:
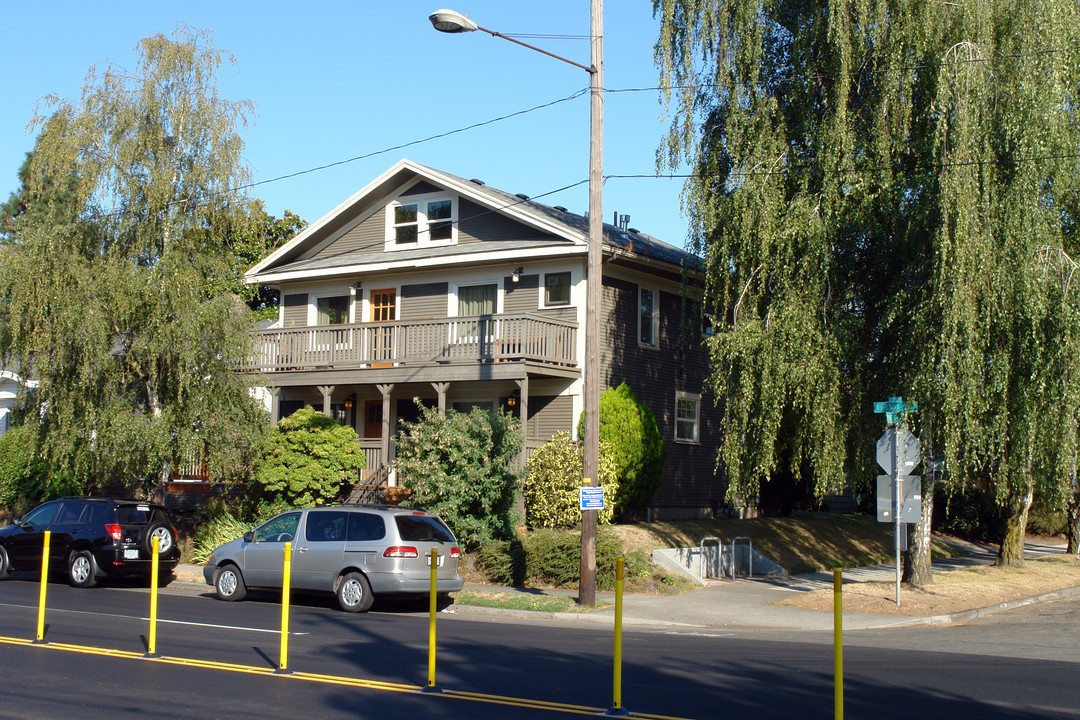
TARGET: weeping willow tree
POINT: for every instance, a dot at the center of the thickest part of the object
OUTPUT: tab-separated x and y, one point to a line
118	306
884	193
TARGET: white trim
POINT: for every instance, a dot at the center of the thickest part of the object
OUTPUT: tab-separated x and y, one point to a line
542	303
313	304
696	399
452	294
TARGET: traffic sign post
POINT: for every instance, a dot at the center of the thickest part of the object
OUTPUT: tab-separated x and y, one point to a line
899	496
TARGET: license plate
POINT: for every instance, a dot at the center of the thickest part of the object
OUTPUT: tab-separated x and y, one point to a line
438	563
132	554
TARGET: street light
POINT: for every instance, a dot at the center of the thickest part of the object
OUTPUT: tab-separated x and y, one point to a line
449	21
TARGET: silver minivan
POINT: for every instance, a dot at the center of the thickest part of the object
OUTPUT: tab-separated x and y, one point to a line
354	551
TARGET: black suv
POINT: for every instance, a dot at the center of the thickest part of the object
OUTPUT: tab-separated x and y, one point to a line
91	538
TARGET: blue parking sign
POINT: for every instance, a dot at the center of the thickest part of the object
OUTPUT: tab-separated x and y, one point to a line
592	498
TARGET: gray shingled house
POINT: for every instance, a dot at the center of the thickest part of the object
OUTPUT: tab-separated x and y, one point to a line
428	285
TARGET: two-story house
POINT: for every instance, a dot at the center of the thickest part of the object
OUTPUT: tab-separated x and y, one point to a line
425	285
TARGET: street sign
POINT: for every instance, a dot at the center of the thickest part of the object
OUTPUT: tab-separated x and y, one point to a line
910	499
895	408
909	449
592	498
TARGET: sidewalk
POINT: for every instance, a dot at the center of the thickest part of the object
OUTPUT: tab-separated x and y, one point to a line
740	603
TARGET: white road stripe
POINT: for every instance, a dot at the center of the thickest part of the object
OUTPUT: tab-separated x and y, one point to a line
160	620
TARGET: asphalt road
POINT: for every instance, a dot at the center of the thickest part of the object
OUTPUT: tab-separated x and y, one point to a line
1021	664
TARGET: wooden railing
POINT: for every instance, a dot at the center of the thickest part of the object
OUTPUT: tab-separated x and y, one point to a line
480	338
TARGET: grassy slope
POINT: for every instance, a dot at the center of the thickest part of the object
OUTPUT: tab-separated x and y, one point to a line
801	543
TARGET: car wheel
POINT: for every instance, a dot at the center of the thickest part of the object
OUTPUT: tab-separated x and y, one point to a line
82	570
354	593
5	566
164	536
229	583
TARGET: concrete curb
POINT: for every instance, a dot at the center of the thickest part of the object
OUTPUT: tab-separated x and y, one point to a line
966	615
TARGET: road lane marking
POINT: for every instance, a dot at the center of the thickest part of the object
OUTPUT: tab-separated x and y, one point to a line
160	620
332	679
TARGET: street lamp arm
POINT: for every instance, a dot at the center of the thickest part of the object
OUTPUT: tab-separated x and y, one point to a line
591	70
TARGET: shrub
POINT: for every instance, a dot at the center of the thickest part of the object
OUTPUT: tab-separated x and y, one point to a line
552	478
219	530
638	448
25	480
459	467
309	458
553	557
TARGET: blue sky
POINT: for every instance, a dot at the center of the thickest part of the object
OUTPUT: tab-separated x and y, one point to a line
340	80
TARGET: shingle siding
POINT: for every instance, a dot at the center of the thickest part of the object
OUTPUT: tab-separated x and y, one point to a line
678	363
294	310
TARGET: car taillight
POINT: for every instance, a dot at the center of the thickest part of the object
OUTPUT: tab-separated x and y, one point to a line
455	553
114	530
400	551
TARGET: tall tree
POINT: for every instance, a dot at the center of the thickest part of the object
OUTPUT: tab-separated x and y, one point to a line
882	191
124	316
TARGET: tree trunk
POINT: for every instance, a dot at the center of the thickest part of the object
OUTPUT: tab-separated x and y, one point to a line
1072	529
1011	552
917	569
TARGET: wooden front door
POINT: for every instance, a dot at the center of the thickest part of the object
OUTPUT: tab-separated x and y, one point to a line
383	310
373	420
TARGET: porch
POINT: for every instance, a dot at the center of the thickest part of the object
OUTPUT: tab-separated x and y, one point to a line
442	342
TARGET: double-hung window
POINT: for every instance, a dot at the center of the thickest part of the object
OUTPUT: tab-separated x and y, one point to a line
687	417
648	317
556	289
421	221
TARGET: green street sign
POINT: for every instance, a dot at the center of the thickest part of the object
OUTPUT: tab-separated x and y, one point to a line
895	408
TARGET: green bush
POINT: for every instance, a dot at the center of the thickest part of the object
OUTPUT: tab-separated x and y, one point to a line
638	448
552	478
308	460
217	531
459	467
25	481
553	557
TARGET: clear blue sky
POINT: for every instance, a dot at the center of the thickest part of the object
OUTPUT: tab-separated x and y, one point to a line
339	80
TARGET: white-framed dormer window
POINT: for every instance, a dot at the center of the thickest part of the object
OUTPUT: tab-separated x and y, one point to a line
687	417
421	221
648	317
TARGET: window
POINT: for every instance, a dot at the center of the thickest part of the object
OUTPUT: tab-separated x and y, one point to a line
280	529
365	526
326	526
332	310
477	299
649	318
687	417
557	289
421	221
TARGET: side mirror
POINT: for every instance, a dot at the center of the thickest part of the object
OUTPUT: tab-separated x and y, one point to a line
248	536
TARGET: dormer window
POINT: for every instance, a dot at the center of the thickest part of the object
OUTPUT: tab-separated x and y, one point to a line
421	221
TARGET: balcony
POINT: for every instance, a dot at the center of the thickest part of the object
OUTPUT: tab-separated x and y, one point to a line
447	341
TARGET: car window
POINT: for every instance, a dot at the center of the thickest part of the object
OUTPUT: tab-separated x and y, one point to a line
96	513
325	526
422	528
133	514
69	513
279	529
366	526
41	515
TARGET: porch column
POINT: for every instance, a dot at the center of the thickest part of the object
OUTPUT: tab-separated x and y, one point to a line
275	406
327	391
385	390
441	389
523	415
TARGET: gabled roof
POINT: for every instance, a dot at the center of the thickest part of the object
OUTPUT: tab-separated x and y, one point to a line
555	230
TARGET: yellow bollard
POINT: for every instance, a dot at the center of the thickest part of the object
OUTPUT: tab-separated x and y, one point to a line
838	646
151	645
40	638
616	705
432	608
283	660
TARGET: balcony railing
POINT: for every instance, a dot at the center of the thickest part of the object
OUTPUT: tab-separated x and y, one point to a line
480	338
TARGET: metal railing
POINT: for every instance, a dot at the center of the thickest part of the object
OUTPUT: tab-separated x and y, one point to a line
448	340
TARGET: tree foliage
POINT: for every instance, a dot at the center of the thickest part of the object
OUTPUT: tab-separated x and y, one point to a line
119	305
308	459
628	427
885	197
459	466
553	477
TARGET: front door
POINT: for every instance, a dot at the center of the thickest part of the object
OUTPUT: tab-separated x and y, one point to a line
383	310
